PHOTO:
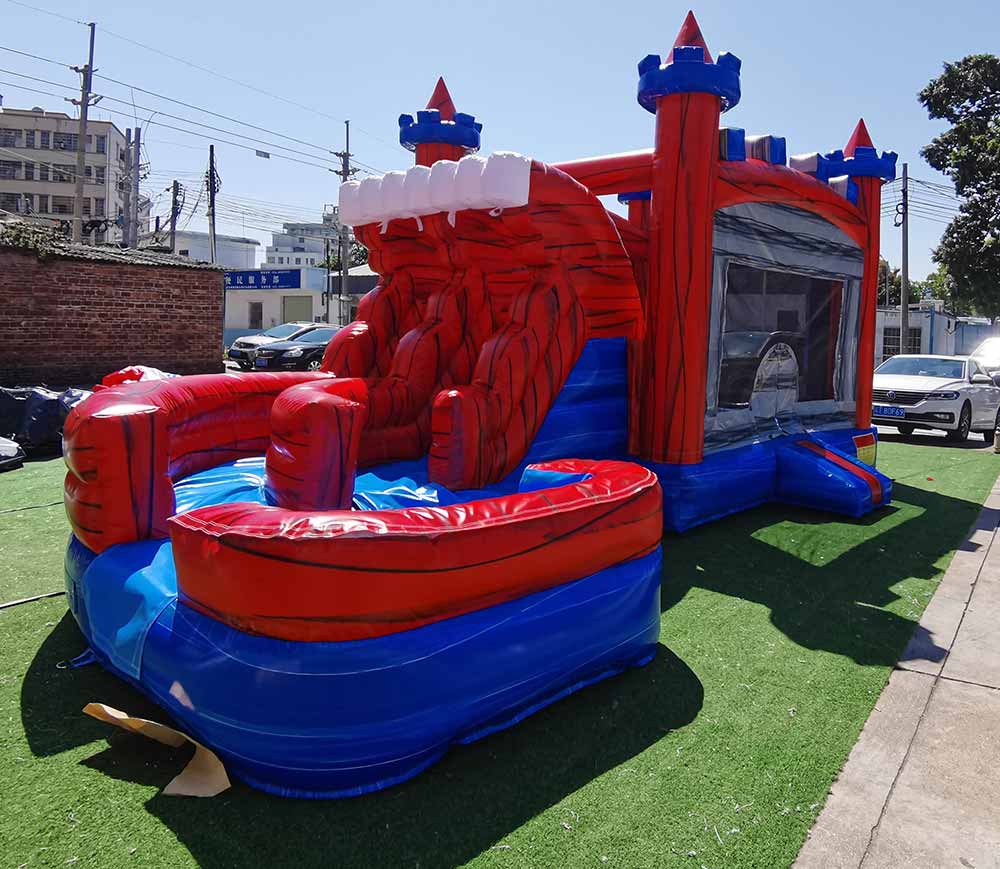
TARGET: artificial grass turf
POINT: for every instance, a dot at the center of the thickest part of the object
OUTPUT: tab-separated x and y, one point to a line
780	628
33	530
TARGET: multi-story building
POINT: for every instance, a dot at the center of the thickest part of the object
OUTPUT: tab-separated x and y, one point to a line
38	171
232	252
303	245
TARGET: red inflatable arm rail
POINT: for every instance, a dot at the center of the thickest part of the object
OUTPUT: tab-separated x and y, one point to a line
315	434
125	446
347	575
481	431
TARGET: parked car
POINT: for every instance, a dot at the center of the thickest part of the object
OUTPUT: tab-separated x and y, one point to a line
742	354
302	353
953	394
241	351
987	354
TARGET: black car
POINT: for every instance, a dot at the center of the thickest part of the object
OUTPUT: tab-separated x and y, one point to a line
304	353
742	354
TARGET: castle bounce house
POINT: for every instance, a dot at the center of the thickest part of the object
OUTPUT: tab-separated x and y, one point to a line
331	577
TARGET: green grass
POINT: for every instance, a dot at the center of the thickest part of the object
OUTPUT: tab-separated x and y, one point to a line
780	628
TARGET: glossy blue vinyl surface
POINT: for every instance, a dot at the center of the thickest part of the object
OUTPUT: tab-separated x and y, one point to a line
736	479
341	719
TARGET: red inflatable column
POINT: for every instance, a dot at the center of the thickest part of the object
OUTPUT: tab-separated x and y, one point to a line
687	95
869	203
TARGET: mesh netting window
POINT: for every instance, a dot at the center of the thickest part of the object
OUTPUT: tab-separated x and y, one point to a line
778	321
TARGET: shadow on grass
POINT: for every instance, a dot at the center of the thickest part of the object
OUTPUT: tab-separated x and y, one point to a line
446	816
923	438
835	606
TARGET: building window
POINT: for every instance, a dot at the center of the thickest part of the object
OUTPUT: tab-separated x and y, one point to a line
29	138
298	260
29	203
99	174
185	252
10	138
281	260
99	207
256	315
44	135
10	170
270	259
102	144
890	340
29	171
10	202
63	173
43	203
43	171
65	141
62	204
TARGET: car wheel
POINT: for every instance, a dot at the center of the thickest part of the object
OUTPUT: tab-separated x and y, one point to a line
905	430
961	433
313	364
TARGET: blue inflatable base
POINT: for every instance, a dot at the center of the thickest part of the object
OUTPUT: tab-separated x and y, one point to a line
325	720
780	470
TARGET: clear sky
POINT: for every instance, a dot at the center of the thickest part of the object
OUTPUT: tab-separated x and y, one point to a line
554	80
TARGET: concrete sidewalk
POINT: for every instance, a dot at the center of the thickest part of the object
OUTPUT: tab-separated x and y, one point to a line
922	786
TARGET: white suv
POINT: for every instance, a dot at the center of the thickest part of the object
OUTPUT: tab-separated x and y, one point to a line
950	393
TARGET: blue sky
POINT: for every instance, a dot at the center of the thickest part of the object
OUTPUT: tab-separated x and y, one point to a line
551	80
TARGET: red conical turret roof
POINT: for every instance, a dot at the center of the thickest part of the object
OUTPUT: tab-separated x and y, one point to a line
441	100
690	34
858	137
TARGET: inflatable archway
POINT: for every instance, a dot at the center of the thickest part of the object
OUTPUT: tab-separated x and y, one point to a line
331	577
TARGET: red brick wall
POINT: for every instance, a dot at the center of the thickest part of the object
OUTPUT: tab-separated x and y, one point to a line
71	321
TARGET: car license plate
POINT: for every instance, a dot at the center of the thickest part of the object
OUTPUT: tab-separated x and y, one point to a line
261	363
883	410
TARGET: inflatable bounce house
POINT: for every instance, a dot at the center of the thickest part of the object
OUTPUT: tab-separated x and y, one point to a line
330	577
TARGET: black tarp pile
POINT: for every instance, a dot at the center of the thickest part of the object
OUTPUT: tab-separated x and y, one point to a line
32	417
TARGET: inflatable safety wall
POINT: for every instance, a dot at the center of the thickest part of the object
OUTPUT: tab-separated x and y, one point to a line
330	577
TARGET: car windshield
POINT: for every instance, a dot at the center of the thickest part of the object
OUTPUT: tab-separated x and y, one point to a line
284	330
923	366
316	336
988	353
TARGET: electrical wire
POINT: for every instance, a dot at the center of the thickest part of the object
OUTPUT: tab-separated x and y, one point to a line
179	118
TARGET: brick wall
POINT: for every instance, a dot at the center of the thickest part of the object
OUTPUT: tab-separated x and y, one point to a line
66	321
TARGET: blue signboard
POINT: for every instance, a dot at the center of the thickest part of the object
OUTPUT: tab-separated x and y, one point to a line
264	279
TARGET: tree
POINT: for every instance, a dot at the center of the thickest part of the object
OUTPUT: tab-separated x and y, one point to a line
967	96
890	285
358	256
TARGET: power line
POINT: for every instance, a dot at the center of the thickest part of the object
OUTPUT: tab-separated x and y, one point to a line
179	118
36	56
183	130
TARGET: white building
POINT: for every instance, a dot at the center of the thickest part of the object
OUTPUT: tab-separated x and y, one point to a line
38	171
231	251
303	245
250	310
930	329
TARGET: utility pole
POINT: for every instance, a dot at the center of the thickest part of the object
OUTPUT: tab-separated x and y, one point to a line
136	159
213	188
345	174
173	217
86	75
127	193
904	289
329	285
